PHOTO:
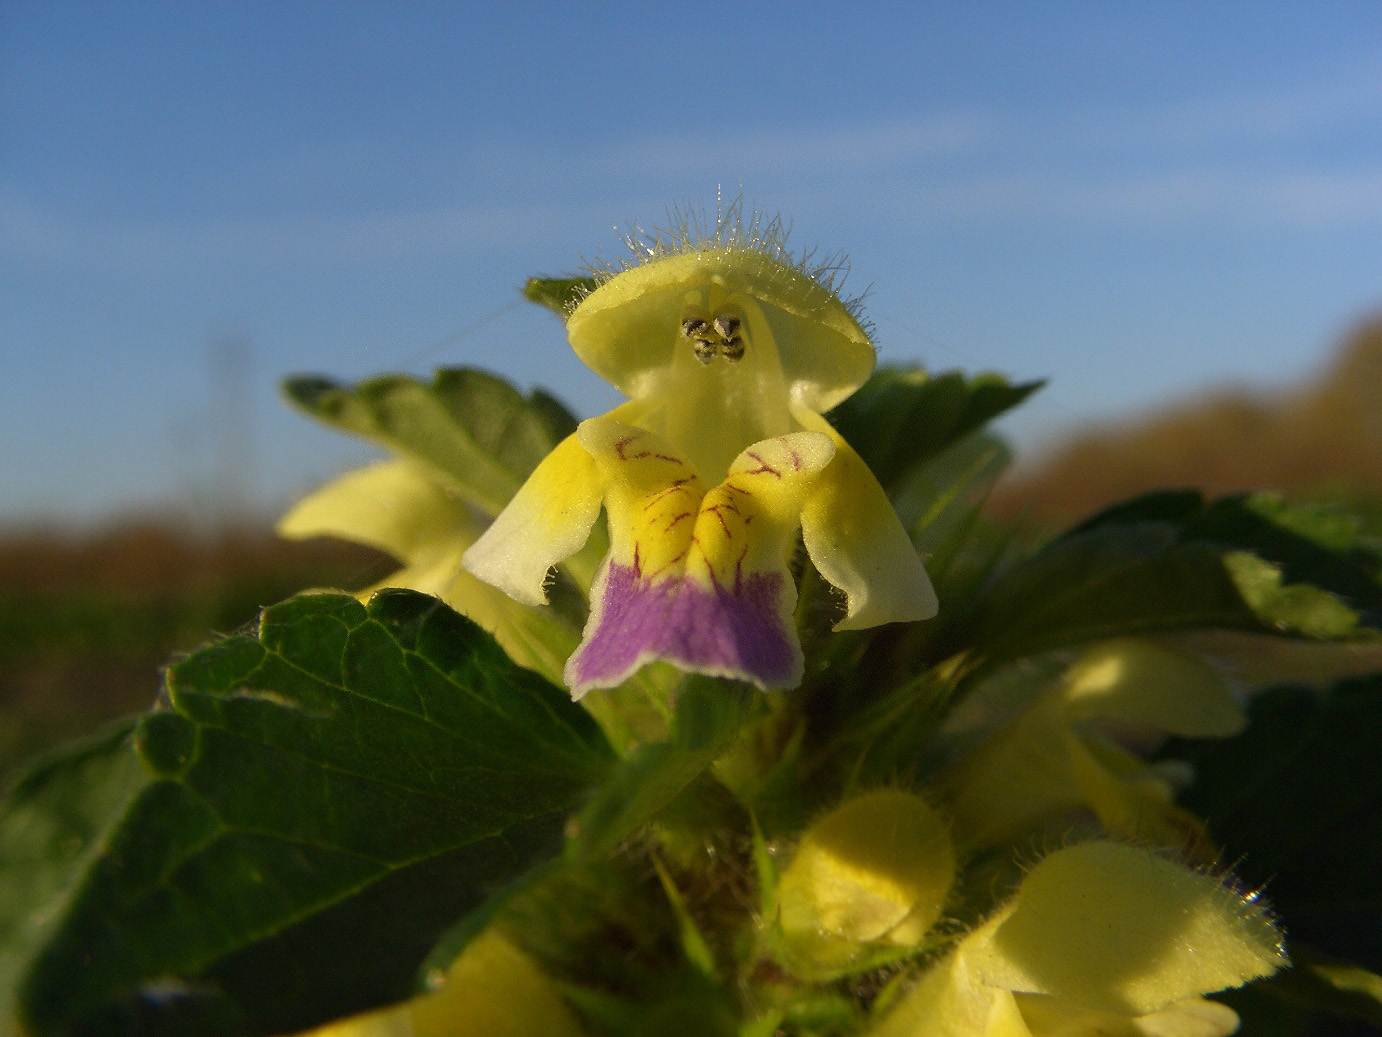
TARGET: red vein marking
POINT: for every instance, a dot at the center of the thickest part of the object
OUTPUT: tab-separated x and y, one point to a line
669	527
763	468
715	508
622	444
670	563
619	445
677	487
796	460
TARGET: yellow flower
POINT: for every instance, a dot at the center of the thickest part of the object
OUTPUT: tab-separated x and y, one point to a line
493	989
1055	758
729	352
1101	938
398	508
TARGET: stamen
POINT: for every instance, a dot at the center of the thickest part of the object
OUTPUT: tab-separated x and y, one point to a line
712	338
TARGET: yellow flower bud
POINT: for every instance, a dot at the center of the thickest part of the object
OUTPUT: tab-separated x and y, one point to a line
875	870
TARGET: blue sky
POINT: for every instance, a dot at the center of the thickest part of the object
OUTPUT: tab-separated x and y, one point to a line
1134	200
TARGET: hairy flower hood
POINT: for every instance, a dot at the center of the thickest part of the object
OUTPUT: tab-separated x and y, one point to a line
729	351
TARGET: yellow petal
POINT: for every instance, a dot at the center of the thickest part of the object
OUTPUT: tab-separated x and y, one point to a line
532	637
548	520
627	329
1132	800
856	541
1140	681
397	508
651	494
948	1002
392	505
879	866
1056	1017
748	523
1013	782
1125	930
494	989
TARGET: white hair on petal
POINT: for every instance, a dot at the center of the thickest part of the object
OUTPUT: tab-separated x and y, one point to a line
689	229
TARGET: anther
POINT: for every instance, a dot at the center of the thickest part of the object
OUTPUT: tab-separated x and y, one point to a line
705	351
693	326
727	326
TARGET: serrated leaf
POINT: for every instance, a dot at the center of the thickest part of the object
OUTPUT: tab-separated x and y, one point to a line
901	417
1108	581
1169	562
56	820
1297	802
1321	546
475	432
1295	608
329	797
558	294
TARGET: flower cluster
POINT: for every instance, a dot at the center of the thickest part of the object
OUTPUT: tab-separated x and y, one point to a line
1020	869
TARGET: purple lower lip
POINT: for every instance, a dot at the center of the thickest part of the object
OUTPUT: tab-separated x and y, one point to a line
734	631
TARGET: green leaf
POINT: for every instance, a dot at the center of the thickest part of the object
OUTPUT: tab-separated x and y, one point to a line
55	822
558	294
1298	607
942	495
1297	802
329	797
1319	545
903	416
476	432
1170	561
1108	581
709	715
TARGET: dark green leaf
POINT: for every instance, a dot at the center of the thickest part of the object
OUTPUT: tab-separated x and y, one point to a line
1108	581
1169	561
1309	544
476	432
1297	801
709	715
558	294
329	797
903	416
54	823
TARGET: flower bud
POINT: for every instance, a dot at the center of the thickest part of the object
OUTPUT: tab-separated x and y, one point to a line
875	870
